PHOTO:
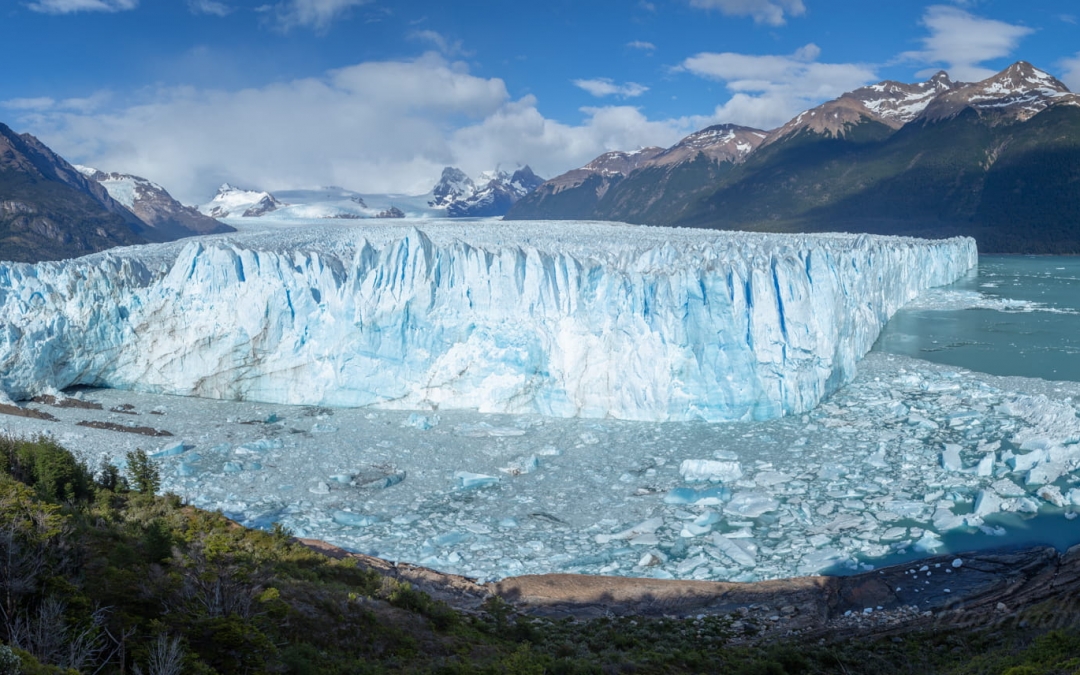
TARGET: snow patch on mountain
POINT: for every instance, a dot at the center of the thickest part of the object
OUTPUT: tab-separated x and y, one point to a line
231	201
1019	92
491	195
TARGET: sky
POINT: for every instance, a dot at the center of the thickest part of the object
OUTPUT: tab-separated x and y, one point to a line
379	96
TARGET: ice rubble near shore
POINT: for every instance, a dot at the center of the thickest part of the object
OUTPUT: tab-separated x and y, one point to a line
902	461
561	319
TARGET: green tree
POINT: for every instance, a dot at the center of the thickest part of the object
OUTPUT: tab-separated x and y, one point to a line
143	472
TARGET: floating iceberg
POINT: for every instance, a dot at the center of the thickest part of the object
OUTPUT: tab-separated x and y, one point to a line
565	319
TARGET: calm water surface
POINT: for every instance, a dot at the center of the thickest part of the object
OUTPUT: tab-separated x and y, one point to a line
1014	315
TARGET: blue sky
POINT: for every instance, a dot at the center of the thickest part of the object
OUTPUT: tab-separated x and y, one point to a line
378	96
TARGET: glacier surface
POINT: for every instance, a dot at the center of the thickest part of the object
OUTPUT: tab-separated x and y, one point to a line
565	319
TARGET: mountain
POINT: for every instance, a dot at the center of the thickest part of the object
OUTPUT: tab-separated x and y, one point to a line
50	211
997	159
630	186
231	201
493	195
166	218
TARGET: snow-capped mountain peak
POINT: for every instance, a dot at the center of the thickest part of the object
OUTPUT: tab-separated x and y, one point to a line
898	103
720	143
233	201
491	195
1017	93
153	205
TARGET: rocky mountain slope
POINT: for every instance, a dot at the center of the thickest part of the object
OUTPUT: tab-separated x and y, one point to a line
492	195
997	159
49	211
166	218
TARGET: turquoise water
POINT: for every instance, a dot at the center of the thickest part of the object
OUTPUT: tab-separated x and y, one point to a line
1014	315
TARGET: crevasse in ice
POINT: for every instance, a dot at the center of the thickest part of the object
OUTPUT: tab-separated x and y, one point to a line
561	319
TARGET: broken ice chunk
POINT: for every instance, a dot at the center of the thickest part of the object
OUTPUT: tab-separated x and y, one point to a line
929	542
421	422
353	519
232	467
710	496
186	470
987	502
1047	472
750	504
521	466
467	480
645	527
700	525
945	519
485	430
320	488
1007	488
710	470
171	450
985	466
742	551
771	478
950	458
1052	494
383	482
259	447
1026	462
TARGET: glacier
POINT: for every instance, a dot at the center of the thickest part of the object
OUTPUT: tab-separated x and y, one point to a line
564	319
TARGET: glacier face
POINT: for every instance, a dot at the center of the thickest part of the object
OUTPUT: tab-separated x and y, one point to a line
558	318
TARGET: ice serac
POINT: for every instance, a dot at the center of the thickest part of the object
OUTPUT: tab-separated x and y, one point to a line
561	319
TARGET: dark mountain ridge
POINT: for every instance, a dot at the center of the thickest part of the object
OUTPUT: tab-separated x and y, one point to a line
998	160
50	209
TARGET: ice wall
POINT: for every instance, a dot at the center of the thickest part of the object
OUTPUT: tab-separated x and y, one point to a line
562	319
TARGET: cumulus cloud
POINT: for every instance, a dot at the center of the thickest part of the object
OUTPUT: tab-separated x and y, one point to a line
1071	72
317	14
961	41
604	86
72	6
771	12
768	90
388	126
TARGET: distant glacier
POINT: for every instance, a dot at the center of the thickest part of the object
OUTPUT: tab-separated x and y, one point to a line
558	318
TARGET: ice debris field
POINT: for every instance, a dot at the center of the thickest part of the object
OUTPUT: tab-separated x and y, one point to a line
589	374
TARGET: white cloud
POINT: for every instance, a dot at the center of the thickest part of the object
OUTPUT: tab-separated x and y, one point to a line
440	42
768	90
961	41
642	45
1071	72
771	12
40	103
209	7
604	86
317	14
386	126
72	6
43	104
